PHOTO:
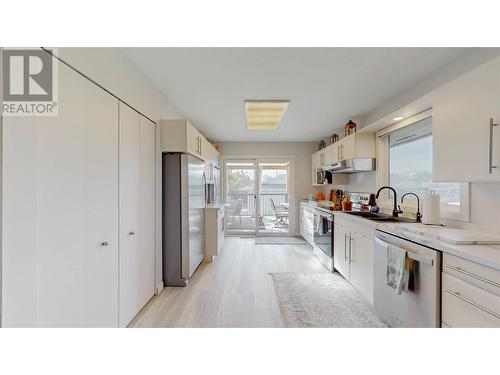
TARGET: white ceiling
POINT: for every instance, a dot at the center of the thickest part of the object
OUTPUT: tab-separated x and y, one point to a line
326	86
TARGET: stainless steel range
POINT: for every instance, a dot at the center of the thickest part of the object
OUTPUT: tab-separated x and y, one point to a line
323	236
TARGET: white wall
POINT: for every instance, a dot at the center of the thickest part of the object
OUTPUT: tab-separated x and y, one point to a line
302	152
113	70
484	202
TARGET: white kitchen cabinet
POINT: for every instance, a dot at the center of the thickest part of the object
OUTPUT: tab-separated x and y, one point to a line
315	166
361	264
341	250
137	210
182	136
307	222
318	160
470	294
214	231
462	112
60	211
208	152
357	145
353	254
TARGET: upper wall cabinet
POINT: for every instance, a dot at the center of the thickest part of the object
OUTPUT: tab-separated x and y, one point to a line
358	145
182	136
466	143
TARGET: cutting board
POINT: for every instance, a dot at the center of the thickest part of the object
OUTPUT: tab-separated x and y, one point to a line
458	236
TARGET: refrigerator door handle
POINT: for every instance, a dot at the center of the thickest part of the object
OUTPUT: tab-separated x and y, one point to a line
205	189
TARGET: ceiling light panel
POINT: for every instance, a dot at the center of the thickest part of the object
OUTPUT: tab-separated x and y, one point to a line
265	115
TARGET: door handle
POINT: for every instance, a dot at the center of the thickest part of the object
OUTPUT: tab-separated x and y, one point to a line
345	247
490	164
131	233
104	243
350	249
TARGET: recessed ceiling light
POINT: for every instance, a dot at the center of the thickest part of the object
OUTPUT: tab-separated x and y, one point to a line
399	118
265	115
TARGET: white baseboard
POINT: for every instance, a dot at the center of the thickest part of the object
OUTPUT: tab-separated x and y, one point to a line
159	288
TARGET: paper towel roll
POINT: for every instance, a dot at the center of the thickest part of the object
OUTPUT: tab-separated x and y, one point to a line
431	205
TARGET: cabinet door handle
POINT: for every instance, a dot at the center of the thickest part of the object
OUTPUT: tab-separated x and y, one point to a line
104	243
490	164
477	277
131	233
345	247
350	249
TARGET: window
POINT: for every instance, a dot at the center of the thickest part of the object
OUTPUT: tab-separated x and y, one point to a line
409	167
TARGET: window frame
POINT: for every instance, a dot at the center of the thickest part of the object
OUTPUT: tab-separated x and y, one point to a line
383	172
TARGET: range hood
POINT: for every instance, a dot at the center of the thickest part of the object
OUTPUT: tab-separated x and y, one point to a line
351	166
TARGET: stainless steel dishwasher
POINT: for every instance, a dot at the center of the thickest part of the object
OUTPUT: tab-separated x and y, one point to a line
420	307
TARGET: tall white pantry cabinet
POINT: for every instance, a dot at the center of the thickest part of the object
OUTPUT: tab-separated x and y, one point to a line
66	259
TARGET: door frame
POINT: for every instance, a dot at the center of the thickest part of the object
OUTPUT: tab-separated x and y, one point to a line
293	206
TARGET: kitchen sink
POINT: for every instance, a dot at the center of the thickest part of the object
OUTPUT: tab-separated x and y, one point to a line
380	217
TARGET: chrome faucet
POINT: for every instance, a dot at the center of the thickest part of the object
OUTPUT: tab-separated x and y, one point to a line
419	215
397	210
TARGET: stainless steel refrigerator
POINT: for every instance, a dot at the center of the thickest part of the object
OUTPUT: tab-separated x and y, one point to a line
184	197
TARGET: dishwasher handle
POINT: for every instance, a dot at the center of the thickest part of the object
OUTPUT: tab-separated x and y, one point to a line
410	254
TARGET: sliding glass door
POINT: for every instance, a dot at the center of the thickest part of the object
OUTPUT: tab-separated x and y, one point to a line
258	196
274	205
241	196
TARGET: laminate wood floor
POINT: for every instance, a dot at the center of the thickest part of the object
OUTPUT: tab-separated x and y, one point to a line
235	290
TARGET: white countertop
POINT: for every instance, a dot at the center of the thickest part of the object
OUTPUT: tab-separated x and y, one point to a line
488	255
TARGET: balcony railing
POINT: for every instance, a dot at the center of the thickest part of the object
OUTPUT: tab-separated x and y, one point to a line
245	203
241	212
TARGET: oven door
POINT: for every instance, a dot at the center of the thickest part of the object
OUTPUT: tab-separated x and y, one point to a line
323	232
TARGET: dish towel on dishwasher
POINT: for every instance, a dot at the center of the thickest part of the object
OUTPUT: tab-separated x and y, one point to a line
396	268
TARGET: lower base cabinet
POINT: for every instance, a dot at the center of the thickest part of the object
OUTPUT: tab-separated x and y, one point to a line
353	256
306	219
361	261
470	294
214	232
